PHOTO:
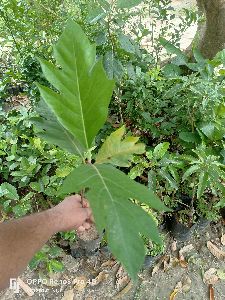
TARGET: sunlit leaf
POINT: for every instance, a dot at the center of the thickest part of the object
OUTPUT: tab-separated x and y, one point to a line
117	151
80	83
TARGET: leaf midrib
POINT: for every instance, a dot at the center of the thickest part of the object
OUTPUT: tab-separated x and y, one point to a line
117	216
79	98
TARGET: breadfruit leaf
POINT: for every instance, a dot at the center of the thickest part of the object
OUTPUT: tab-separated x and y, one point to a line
117	151
81	91
109	192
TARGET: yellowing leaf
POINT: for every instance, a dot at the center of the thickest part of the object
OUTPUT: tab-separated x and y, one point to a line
117	151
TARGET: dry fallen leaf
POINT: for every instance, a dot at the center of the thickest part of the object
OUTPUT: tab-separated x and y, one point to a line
124	291
101	277
166	263
184	285
122	282
173	294
186	249
163	261
68	295
210	276
80	283
211	292
25	287
174	246
108	263
122	279
215	250
223	239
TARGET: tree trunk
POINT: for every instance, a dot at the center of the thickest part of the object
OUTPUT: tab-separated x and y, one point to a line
210	37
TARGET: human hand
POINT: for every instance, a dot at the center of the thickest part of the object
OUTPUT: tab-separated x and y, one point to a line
73	213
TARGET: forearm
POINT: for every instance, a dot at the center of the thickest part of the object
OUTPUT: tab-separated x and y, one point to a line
20	239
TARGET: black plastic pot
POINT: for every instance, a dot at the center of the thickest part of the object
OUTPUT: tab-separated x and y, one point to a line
182	232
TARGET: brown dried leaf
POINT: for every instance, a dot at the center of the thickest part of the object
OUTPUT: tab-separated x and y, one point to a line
80	283
108	263
101	277
173	294
68	295
124	291
122	282
210	276
182	261
215	250
184	285
166	263
223	239
159	264
156	268
186	249
211	293
122	278
174	246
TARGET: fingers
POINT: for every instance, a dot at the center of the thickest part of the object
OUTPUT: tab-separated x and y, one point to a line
84	227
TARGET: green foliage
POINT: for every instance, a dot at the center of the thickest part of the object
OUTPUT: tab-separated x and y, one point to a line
31	170
81	83
109	198
207	170
47	259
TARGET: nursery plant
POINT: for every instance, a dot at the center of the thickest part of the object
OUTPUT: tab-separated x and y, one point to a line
77	108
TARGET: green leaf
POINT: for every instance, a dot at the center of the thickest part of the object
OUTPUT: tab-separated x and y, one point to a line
208	129
198	57
190	171
164	174
113	66
202	184
160	150
55	251
55	266
125	43
51	130
117	151
128	3
95	15
171	70
83	90
189	137
170	48
152	180
9	191
109	191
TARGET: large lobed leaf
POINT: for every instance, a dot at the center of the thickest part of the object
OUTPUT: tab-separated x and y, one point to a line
117	151
109	192
50	129
82	91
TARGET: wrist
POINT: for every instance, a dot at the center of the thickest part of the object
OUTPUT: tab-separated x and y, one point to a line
53	218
